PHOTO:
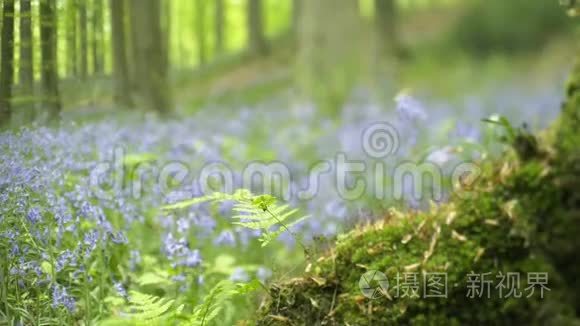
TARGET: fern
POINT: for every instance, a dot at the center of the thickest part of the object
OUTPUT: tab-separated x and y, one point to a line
146	309
216	299
212	304
257	212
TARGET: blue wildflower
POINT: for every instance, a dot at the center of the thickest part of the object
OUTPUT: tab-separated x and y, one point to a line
409	108
239	275
226	237
263	274
60	297
33	216
121	290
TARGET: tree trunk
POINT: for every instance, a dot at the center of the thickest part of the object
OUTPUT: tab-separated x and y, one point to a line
84	66
71	37
151	69
7	64
200	31
296	9
98	52
256	38
26	61
330	56
386	28
219	21
122	87
51	97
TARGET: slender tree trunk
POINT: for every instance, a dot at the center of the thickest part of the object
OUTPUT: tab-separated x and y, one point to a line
26	60
7	64
386	27
256	38
120	66
219	21
51	96
71	37
296	9
330	56
151	68
98	53
84	66
200	31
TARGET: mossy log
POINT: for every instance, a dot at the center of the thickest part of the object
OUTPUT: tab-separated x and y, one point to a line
521	216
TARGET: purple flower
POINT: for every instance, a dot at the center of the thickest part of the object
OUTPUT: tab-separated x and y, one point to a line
192	258
409	108
90	241
226	237
33	216
183	225
65	258
119	237
239	275
263	274
121	290
60	297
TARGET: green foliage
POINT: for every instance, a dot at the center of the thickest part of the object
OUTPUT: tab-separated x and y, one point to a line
257	212
499	25
146	309
520	217
212	304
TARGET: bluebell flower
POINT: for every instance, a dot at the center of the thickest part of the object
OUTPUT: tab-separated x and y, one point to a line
205	223
409	108
90	241
173	247
192	258
60	297
226	237
263	274
239	275
183	225
121	290
118	237
34	216
65	258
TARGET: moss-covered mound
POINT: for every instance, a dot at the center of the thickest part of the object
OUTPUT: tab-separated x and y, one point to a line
521	217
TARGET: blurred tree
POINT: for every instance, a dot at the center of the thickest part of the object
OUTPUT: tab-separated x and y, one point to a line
82	10
296	7
256	36
7	64
330	59
200	31
149	52
122	87
386	25
48	37
26	59
220	24
487	26
71	37
98	33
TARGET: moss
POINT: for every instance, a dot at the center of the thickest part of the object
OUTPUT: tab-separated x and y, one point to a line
522	216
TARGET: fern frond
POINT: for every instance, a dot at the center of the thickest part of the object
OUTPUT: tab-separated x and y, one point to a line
253	212
268	237
146	309
212	304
